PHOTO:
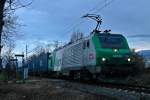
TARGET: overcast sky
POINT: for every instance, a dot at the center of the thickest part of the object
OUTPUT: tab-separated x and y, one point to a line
49	20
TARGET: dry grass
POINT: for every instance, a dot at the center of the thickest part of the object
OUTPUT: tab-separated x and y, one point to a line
44	90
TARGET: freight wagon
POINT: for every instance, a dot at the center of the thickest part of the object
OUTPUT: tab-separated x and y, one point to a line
38	64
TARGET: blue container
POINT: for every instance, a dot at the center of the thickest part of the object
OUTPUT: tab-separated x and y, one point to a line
38	64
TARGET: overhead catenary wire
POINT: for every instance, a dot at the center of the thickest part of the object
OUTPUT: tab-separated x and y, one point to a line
96	9
78	21
50	44
107	3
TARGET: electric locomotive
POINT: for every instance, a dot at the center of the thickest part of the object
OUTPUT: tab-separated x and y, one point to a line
99	54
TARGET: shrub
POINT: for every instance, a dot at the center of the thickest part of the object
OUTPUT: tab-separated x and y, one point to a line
3	76
139	64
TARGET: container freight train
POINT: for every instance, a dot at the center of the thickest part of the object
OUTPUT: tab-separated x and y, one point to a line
101	54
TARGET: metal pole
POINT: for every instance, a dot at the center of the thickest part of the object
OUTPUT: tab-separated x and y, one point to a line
16	67
26	51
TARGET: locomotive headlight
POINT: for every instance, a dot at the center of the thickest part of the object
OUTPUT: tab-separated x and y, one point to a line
129	59
103	59
115	50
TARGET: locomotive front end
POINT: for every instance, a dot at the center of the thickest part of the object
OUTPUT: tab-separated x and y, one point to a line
114	63
114	56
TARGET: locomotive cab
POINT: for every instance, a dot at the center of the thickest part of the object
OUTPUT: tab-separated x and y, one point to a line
113	54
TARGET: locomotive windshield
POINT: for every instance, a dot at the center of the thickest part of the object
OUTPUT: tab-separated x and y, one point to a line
112	41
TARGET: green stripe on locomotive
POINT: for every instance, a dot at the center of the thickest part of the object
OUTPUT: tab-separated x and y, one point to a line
114	56
51	61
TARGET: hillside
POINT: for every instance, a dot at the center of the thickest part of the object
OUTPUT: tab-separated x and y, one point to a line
145	53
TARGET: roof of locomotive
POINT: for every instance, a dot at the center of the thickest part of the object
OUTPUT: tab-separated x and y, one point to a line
71	43
87	37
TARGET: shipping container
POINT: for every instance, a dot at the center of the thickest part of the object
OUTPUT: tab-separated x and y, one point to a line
38	63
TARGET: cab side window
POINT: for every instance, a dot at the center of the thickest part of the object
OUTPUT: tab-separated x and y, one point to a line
86	44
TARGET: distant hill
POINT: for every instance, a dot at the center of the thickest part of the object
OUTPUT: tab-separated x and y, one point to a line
145	53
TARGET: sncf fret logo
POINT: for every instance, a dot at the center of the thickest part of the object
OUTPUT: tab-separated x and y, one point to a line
91	56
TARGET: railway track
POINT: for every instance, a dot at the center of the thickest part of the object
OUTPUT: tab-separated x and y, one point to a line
119	86
120	91
126	87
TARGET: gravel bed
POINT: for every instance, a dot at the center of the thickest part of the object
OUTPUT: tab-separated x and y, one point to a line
46	89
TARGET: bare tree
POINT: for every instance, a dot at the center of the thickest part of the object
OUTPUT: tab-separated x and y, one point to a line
8	53
2	4
39	49
8	20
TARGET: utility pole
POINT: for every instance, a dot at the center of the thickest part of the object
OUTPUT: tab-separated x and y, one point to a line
2	5
26	51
